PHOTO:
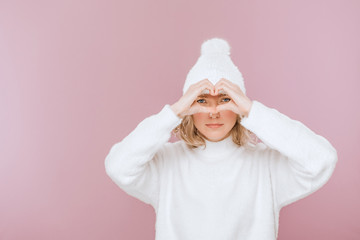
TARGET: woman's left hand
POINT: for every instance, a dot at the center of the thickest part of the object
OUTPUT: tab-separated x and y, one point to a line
239	104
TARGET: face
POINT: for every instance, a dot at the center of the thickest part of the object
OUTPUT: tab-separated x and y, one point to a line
225	120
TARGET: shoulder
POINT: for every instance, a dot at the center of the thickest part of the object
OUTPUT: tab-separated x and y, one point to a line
173	148
171	153
252	148
261	150
173	145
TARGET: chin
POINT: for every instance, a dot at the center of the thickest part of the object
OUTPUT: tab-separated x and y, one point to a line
215	138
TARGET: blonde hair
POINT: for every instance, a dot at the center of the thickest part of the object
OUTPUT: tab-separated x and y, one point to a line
187	131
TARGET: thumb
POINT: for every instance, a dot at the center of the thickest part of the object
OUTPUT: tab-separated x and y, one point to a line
197	109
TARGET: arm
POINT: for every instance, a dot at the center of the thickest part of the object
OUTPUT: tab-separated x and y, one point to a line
134	163
300	161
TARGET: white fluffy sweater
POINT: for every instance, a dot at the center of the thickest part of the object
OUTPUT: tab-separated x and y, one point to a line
222	192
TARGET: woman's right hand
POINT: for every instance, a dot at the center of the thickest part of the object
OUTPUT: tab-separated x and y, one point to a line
185	104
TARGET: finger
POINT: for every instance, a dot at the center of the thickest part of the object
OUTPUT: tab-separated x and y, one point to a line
216	88
235	87
223	107
211	87
202	109
199	84
228	106
218	85
208	86
196	89
208	91
205	91
229	91
229	84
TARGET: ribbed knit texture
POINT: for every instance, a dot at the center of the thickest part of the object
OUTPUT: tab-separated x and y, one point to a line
223	191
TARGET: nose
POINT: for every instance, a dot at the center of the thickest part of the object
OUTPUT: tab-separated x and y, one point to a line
212	107
213	113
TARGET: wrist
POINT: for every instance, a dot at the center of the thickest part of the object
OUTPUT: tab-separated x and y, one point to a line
248	108
175	109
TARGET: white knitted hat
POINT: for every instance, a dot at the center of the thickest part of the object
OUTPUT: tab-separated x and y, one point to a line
214	63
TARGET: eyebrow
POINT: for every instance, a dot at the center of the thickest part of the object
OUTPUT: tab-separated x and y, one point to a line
206	95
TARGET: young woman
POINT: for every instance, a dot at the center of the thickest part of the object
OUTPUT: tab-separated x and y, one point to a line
217	183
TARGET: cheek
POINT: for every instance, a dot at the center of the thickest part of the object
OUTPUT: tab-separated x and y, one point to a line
230	116
199	117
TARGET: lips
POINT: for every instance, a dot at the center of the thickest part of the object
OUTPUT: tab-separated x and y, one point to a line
214	125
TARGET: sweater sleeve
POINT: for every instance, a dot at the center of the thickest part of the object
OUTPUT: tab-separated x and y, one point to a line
134	163
300	161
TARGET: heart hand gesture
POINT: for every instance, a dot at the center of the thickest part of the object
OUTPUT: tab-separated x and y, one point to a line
240	103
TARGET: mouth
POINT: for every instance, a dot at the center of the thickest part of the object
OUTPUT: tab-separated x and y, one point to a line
214	125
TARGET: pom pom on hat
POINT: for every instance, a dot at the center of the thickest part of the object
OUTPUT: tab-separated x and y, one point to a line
214	63
215	46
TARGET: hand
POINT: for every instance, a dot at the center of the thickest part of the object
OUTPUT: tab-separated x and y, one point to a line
240	103
185	104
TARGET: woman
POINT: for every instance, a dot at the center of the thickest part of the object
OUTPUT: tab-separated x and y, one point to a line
216	182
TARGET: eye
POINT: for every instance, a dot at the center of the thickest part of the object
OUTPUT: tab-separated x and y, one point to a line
201	100
227	99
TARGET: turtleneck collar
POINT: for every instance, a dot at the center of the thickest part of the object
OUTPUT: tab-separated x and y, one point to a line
215	151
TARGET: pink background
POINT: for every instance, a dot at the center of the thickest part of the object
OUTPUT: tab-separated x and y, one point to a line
78	76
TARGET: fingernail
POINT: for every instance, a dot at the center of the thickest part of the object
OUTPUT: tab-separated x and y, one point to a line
205	91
